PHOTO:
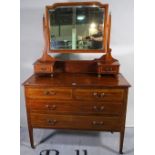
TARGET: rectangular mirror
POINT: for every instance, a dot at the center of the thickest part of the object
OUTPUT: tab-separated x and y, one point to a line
76	28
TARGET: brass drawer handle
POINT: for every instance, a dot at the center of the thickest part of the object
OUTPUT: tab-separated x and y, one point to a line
95	108
101	108
49	93
52	122
100	123
95	94
98	109
102	94
98	95
53	107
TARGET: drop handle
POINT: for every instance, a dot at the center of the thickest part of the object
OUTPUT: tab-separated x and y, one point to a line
100	123
98	109
102	94
50	92
98	95
52	122
102	108
53	107
95	108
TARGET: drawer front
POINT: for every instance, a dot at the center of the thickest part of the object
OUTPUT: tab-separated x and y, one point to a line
75	122
49	93
99	94
43	68
109	69
85	108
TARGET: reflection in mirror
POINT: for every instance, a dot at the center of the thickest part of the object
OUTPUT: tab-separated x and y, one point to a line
76	28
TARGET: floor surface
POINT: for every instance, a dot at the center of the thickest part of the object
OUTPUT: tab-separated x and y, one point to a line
57	142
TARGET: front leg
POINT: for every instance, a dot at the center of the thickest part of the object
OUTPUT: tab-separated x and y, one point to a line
31	137
121	141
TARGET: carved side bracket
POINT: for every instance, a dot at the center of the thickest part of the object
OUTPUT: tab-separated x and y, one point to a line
107	58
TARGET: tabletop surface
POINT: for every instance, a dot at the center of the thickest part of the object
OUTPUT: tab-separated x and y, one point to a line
68	79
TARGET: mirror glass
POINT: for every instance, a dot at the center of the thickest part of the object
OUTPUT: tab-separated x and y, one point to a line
77	28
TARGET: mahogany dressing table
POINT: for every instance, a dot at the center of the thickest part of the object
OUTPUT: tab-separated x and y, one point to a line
77	94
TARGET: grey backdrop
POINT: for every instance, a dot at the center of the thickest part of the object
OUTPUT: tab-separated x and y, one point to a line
121	42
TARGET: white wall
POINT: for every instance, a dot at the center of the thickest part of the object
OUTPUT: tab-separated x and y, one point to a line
121	42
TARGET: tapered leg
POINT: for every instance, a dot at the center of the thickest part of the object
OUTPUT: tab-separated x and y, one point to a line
31	137
121	142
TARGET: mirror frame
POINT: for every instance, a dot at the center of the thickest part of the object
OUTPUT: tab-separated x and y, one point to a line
47	25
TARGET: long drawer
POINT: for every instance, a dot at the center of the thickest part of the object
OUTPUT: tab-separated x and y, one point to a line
99	94
49	93
73	107
75	122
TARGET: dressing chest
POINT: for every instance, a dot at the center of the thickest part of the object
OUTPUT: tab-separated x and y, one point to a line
76	94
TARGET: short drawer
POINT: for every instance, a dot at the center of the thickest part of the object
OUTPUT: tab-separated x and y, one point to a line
75	122
70	107
43	68
108	69
99	94
49	93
